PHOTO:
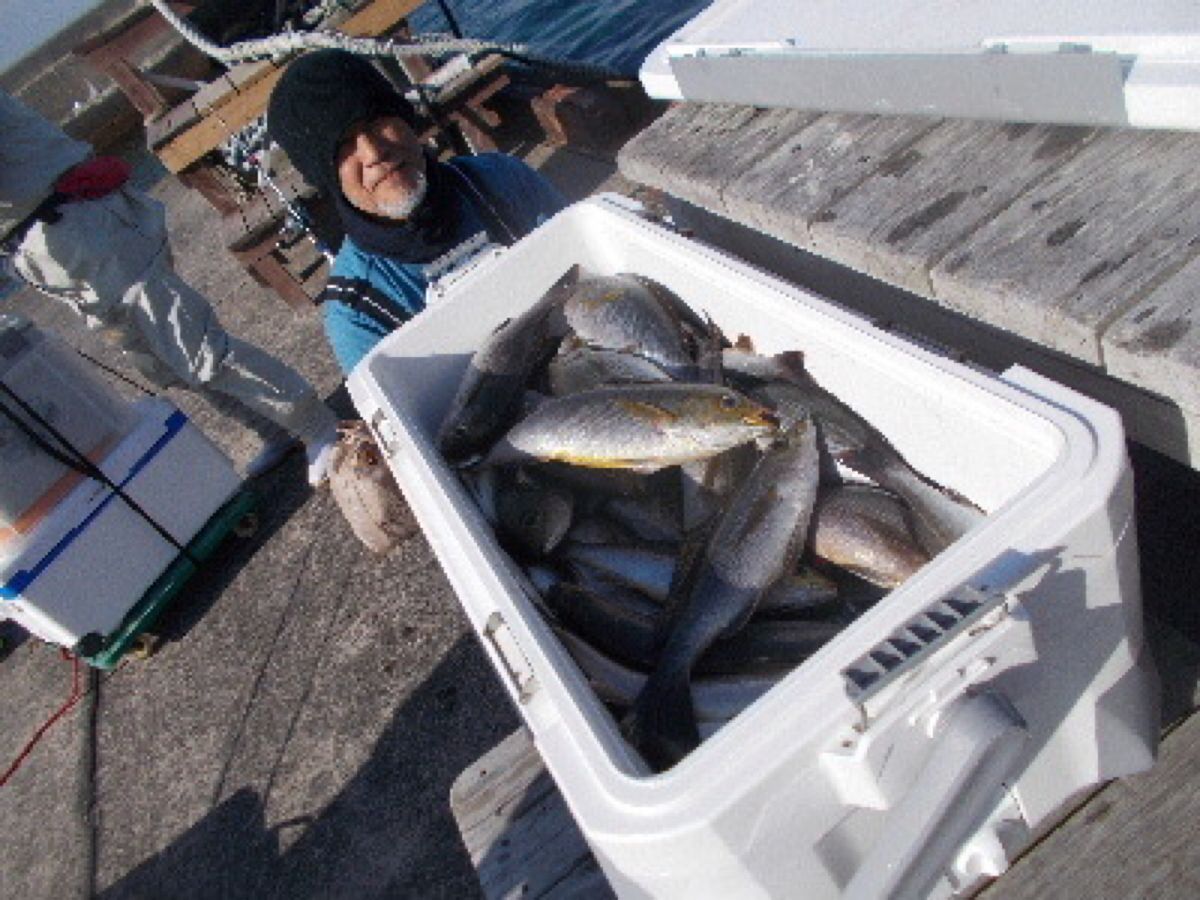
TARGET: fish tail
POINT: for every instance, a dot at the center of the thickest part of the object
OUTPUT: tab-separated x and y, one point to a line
662	723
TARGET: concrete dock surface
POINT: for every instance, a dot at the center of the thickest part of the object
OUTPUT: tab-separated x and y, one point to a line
298	732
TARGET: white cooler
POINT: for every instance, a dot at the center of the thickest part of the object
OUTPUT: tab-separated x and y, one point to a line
92	557
920	750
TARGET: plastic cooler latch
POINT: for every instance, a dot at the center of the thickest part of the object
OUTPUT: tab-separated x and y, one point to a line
384	431
516	663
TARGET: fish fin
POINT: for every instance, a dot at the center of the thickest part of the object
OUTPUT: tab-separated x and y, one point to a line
553	303
710	346
662	723
744	342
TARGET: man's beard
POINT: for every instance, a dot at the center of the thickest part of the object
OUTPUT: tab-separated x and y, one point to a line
402	209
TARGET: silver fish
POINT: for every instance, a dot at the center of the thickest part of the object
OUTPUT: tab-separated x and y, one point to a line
481	484
767	647
622	623
617	621
940	516
604	482
491	391
867	531
787	366
693	324
713	699
584	368
542	578
653	518
599	529
640	568
804	594
639	427
619	312
706	484
533	516
757	540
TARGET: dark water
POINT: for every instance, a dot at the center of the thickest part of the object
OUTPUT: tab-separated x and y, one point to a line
619	34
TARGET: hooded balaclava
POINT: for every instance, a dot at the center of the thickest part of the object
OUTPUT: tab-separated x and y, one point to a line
318	98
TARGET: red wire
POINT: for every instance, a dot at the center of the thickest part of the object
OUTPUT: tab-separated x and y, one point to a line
76	693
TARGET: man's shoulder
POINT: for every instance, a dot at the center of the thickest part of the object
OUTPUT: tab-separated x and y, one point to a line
497	165
352	261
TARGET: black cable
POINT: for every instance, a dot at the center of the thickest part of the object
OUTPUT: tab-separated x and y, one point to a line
115	374
74	459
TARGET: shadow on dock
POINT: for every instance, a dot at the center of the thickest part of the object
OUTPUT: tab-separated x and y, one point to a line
369	840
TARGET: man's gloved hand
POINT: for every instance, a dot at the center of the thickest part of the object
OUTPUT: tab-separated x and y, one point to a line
93	178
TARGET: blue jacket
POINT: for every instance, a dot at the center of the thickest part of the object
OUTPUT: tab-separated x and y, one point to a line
523	199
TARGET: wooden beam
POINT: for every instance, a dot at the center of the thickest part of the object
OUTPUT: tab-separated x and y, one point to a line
251	96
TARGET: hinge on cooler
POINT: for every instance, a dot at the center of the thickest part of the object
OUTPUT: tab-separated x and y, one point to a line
918	639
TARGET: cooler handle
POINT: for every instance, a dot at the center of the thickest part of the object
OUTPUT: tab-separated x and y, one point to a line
980	740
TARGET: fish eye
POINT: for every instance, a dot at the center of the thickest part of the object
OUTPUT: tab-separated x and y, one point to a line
728	401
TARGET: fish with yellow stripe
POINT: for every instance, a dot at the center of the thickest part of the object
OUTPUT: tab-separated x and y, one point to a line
642	427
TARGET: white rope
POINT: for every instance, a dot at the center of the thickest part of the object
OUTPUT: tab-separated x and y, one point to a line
282	45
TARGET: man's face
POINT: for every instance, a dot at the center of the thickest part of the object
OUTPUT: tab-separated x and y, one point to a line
381	167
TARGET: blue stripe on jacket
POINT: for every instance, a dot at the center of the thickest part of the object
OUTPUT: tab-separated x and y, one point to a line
524	199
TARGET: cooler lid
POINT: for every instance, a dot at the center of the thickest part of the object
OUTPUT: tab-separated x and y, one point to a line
1093	62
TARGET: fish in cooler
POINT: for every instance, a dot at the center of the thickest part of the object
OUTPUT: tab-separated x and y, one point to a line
685	501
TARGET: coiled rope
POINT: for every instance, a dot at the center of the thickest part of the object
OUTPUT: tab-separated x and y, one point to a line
281	45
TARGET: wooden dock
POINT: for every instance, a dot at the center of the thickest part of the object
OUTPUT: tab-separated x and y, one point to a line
1071	250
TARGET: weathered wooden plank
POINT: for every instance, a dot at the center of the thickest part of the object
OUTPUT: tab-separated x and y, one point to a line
1154	420
540	855
517	828
243	75
174	121
1157	343
1079	249
695	151
774	169
214	94
1136	838
815	166
907	215
484	792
